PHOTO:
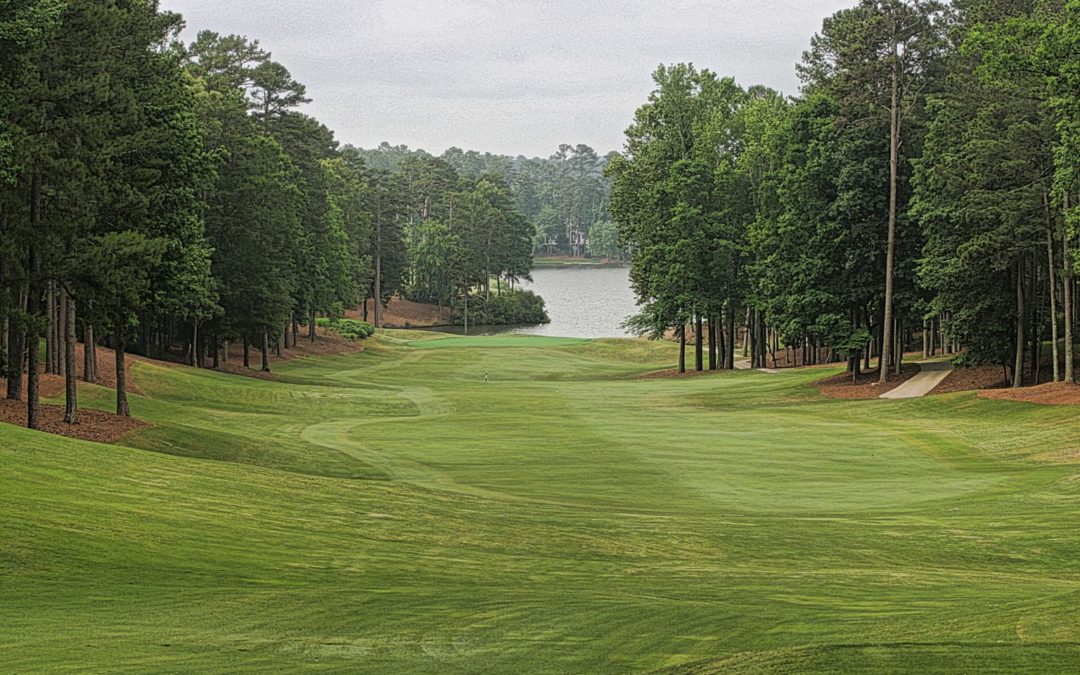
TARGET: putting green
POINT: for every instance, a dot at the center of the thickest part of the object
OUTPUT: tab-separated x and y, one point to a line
392	511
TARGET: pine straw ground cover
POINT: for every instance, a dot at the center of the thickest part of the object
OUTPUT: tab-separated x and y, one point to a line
390	511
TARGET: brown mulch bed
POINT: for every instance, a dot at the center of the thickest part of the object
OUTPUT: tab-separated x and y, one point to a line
53	385
1051	393
993	377
971	379
865	386
93	425
401	313
326	344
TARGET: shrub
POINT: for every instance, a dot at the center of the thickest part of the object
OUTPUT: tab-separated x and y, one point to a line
350	329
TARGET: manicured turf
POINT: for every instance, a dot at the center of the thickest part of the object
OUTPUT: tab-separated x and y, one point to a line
492	341
541	262
393	512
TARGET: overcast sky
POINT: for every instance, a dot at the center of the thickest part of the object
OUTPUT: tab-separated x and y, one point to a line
507	76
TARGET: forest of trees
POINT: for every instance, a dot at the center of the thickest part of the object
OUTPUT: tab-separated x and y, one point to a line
170	198
565	196
922	192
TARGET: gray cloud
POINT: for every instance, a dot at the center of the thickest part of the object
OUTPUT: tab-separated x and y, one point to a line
511	77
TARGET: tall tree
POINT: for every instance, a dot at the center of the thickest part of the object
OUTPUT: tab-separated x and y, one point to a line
880	56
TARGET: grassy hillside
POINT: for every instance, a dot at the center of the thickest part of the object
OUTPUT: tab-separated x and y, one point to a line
393	512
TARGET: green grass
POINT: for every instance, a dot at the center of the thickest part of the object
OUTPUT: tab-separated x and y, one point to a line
392	512
542	262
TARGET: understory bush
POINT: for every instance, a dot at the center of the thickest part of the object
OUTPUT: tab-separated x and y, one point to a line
508	307
350	329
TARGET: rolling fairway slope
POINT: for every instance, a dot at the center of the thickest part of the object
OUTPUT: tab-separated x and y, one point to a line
393	512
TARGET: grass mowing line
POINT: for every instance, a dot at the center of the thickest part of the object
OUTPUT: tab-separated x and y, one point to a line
566	516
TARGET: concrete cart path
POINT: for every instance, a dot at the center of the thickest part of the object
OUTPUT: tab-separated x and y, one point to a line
930	375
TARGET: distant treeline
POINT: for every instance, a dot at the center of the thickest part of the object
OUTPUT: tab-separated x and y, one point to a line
565	196
926	184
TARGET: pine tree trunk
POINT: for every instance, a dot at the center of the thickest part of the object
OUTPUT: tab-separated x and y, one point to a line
899	359
746	335
729	353
16	353
682	348
120	349
712	342
71	389
721	346
247	352
1021	319
890	251
61	328
311	326
1034	321
378	277
1069	301
89	353
4	329
759	331
1053	302
50	329
33	305
215	347
195	361
33	376
699	345
265	349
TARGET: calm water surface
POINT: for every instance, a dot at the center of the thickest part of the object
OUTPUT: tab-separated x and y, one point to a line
586	302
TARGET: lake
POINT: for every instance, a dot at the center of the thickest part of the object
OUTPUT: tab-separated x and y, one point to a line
582	301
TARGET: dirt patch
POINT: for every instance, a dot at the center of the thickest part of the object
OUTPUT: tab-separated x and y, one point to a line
1052	393
94	425
866	383
401	313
